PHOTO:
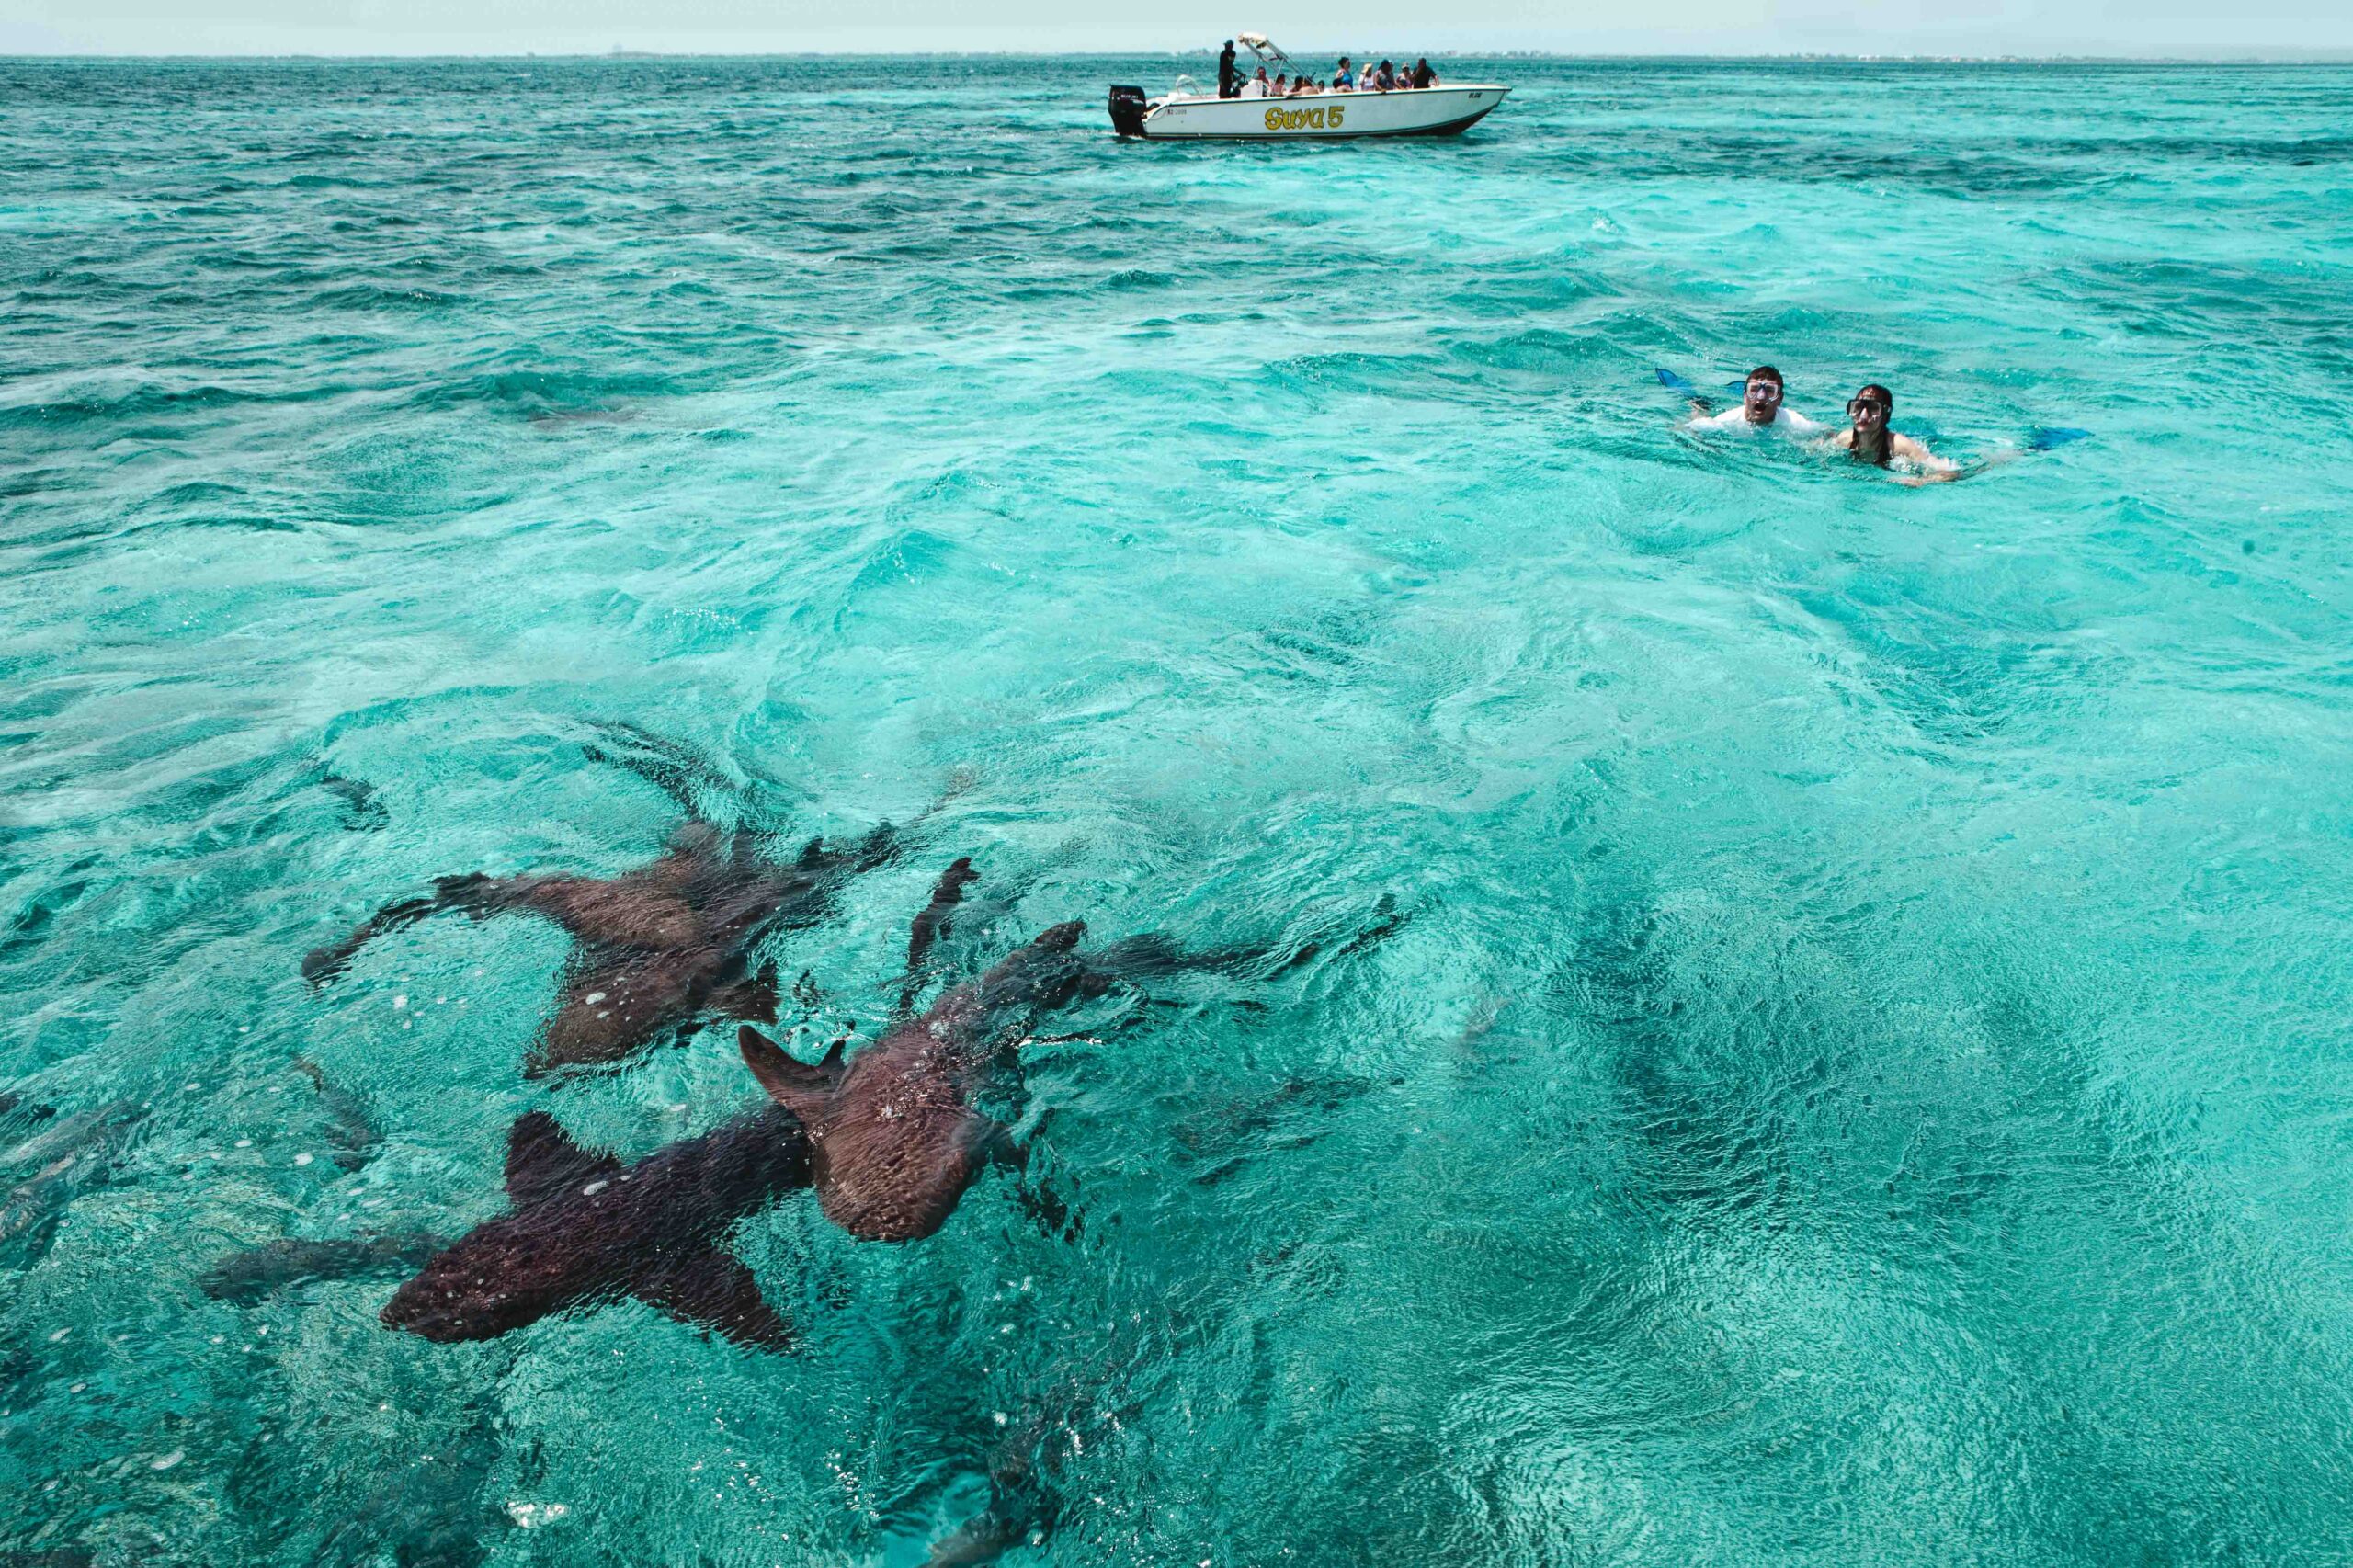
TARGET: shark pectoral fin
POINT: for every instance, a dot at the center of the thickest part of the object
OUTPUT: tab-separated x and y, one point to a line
541	1160
932	922
715	1291
797	1087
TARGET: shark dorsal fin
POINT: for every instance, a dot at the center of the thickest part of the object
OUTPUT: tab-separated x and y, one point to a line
797	1087
542	1160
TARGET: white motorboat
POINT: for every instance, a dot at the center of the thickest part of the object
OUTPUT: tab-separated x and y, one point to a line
1187	114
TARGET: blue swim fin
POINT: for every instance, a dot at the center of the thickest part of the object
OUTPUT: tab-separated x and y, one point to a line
2045	437
1686	390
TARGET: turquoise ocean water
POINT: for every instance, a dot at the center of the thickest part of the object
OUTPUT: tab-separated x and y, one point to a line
1864	1073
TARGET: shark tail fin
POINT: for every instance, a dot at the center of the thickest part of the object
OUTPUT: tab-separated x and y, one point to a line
714	1290
541	1160
797	1087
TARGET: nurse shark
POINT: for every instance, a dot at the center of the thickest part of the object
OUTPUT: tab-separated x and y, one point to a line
891	1140
586	1229
658	946
897	1133
64	1158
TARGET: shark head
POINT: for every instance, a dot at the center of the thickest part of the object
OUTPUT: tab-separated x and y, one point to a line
472	1291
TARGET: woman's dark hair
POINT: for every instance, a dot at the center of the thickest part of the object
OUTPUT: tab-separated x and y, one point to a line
1886	400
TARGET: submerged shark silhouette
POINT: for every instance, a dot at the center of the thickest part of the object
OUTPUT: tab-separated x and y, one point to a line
66	1157
891	1140
896	1132
586	1229
658	946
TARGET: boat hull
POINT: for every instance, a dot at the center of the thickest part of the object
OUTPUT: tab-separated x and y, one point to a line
1320	117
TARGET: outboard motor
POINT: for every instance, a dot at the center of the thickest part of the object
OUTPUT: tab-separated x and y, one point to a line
1128	106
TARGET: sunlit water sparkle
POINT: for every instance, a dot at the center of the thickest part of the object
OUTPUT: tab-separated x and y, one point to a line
1864	1074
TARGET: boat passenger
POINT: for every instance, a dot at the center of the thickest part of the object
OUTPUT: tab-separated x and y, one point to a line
1229	79
1344	79
1384	78
1761	409
1256	87
1282	84
1869	440
1423	75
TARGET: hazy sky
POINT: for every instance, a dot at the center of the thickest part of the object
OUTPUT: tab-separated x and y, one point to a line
474	27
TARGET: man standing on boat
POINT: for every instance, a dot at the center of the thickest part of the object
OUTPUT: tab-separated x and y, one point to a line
1228	80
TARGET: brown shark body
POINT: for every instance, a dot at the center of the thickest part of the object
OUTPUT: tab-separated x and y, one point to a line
586	1229
656	946
895	1134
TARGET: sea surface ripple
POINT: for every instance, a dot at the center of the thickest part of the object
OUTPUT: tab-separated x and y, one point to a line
1859	1070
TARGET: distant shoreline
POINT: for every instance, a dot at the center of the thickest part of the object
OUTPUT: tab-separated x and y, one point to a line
2324	58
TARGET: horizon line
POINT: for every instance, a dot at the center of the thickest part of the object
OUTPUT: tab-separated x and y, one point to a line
2319	56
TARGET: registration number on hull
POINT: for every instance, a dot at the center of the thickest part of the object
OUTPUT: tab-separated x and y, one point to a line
1330	117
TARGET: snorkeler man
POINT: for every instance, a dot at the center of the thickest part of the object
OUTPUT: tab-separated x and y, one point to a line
1228	80
1761	409
1869	440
